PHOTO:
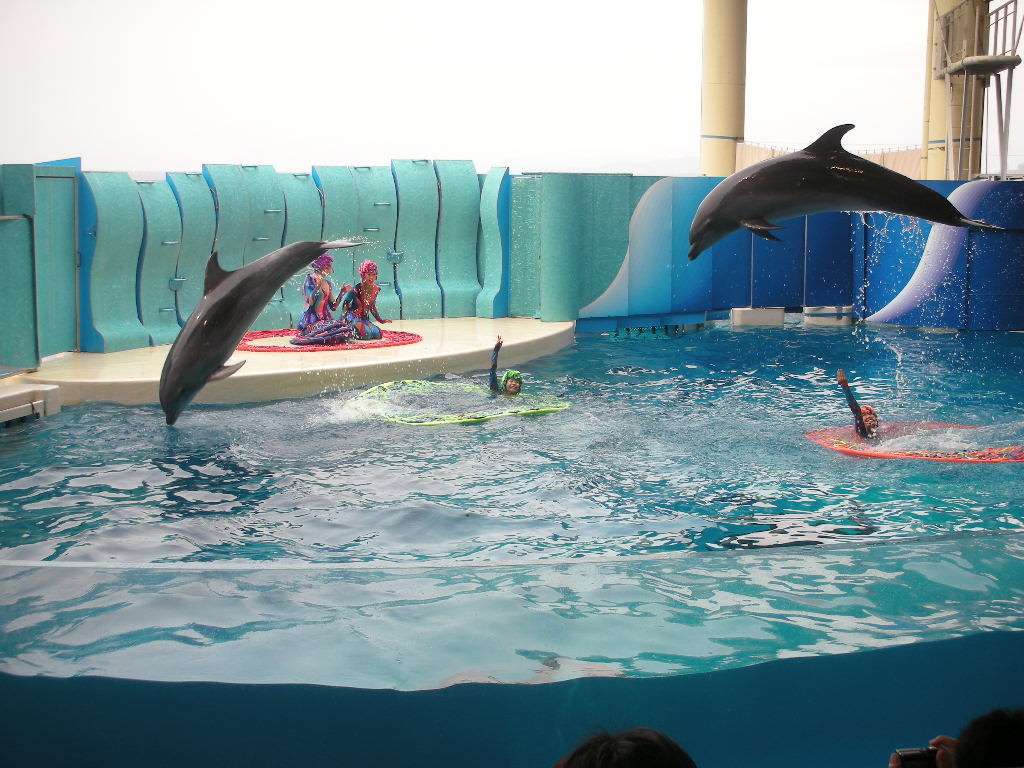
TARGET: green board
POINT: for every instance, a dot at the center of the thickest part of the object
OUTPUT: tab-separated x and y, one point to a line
433	403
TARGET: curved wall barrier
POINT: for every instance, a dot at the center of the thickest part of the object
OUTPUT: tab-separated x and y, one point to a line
458	222
231	198
340	195
416	238
303	221
493	245
110	236
963	278
606	250
198	230
158	261
378	219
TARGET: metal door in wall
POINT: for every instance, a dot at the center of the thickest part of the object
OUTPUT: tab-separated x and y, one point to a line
56	271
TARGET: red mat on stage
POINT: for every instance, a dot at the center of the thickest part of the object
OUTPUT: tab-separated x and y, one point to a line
390	339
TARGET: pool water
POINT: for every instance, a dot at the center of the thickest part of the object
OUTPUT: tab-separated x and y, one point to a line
674	519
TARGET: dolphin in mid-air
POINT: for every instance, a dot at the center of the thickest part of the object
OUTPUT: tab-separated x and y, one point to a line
821	177
231	303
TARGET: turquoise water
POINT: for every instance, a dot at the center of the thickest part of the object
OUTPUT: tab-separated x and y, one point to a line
673	520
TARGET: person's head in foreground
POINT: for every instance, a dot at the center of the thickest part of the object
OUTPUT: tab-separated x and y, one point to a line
636	748
994	740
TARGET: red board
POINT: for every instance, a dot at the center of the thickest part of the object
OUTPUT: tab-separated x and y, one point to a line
845	440
388	339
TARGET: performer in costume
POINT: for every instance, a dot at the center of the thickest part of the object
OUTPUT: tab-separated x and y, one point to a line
359	303
511	381
865	418
317	325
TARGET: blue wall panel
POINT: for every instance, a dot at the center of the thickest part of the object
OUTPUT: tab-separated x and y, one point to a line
829	277
18	348
778	267
266	223
341	217
416	238
111	227
524	243
378	220
996	260
458	225
198	229
692	281
231	197
158	261
731	260
494	245
303	222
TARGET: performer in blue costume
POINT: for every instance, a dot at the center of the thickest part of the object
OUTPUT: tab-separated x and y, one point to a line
511	381
865	418
317	325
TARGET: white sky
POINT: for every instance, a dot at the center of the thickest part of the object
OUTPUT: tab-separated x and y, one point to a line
572	85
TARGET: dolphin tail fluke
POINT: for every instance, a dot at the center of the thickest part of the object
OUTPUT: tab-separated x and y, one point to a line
762	228
965	222
224	371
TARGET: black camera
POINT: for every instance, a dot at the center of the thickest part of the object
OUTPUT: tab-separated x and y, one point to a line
925	757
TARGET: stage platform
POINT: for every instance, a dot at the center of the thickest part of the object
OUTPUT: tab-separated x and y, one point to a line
453	345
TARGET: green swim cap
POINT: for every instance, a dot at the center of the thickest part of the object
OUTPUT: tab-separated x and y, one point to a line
511	375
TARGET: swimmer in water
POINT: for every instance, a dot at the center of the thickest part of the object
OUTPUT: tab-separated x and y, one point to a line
511	381
865	417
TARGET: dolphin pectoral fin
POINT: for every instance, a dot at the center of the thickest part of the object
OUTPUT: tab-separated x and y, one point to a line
762	228
224	371
214	274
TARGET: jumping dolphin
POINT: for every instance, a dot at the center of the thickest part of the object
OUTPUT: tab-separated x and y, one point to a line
231	302
821	177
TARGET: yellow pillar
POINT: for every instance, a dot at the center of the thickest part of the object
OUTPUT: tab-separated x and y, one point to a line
953	104
723	85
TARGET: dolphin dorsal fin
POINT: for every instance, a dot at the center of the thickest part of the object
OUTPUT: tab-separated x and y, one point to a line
214	274
830	141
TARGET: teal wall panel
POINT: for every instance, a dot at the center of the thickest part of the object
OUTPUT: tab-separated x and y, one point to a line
47	195
560	246
525	247
341	216
416	238
266	225
304	221
378	219
198	217
56	247
158	262
111	226
231	199
494	244
458	224
18	347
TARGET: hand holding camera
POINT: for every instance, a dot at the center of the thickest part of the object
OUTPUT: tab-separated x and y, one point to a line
940	753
